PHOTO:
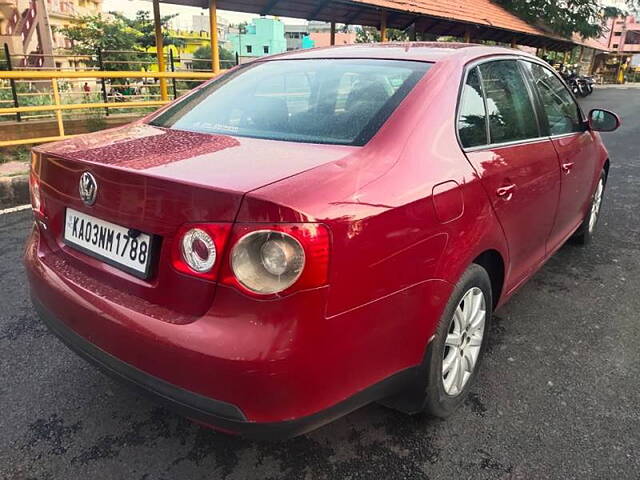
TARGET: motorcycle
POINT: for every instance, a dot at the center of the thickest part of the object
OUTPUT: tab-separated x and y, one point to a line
577	87
580	85
589	83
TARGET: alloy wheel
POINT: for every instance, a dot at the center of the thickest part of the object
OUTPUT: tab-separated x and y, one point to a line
595	206
464	341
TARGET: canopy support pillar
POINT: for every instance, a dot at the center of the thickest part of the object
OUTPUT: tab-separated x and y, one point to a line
467	36
383	26
160	48
333	33
213	26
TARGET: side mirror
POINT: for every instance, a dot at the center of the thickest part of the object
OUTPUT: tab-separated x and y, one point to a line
603	120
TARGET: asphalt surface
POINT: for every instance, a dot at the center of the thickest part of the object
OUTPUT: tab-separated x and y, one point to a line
557	397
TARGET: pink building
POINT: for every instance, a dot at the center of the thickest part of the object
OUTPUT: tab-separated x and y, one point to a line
323	39
622	35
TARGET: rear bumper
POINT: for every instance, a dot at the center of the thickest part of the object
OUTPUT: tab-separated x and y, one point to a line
260	369
217	414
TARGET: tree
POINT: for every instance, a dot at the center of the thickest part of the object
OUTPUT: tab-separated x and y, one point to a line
585	17
372	35
129	37
227	58
91	34
144	25
242	27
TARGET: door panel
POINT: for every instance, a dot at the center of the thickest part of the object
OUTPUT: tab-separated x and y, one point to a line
578	159
574	144
519	169
523	185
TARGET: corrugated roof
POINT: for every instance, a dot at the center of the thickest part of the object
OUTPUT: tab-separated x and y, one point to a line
479	12
482	19
590	43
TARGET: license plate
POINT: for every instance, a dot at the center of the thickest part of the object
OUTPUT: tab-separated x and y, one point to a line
114	244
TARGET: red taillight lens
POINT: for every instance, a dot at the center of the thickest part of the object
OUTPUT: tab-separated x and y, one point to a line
277	259
34	185
198	249
34	190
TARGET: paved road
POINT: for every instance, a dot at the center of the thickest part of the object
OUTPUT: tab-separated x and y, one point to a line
558	395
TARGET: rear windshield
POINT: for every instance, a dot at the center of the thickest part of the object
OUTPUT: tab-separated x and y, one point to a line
317	101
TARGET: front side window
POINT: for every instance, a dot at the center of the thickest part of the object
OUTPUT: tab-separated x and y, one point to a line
511	113
562	111
338	101
472	118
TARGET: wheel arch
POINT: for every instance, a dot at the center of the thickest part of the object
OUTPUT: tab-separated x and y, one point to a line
493	263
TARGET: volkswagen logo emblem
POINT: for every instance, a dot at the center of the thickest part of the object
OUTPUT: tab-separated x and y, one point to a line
88	188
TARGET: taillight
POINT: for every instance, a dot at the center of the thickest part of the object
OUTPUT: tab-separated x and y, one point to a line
267	261
257	259
197	249
34	185
277	259
34	190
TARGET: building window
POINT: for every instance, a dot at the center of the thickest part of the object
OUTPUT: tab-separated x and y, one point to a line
615	45
249	49
617	34
266	48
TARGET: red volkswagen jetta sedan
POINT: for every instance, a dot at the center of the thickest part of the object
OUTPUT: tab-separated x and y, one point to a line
314	231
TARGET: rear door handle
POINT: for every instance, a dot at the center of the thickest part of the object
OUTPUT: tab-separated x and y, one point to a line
566	167
506	192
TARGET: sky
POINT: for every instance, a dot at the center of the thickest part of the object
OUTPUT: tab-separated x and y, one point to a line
183	21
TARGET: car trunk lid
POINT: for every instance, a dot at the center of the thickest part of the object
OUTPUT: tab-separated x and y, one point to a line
154	180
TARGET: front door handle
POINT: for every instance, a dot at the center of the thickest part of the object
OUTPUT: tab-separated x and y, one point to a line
506	192
566	167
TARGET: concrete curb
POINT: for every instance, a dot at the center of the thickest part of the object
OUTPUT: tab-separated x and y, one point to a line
14	191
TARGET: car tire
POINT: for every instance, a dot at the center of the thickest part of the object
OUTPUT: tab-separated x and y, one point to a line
587	228
466	321
426	392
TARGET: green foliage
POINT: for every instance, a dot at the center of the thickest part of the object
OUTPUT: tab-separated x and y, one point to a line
15	154
3	61
143	24
96	122
585	17
91	33
227	58
372	35
242	27
94	33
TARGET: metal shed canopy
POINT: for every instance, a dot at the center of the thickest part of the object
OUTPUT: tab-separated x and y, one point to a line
472	19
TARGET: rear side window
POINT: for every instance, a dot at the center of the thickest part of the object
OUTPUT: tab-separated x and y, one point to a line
511	113
335	101
562	111
472	117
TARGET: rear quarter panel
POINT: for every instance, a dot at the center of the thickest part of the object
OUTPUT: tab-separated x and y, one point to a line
387	237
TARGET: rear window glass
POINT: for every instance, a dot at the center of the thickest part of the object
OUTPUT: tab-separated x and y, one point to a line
317	101
472	122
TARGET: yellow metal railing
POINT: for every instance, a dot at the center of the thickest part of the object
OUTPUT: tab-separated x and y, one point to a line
58	107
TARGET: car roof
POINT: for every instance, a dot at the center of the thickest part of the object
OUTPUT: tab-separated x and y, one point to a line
413	51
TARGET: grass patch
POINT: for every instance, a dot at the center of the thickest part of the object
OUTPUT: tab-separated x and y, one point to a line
20	153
